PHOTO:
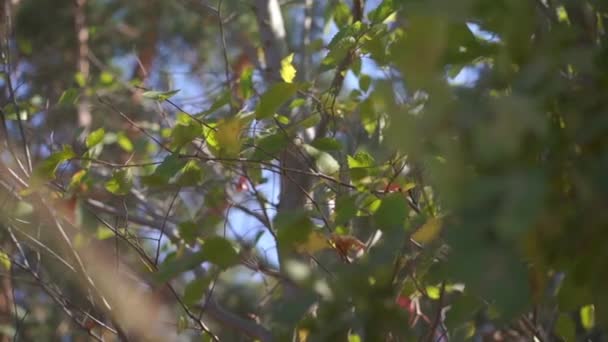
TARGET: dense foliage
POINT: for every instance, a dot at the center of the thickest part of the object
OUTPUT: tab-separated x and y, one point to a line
304	170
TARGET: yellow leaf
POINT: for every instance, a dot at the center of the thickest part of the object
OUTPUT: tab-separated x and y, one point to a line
5	261
303	335
288	72
228	136
316	242
588	316
429	231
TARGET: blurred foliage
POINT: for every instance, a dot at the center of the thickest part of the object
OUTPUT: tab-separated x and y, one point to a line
454	158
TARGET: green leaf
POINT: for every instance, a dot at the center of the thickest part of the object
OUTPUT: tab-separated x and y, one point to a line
166	170
587	313
124	142
269	146
342	14
310	121
190	175
327	144
69	97
293	229
565	328
392	212
228	136
324	161
346	209
288	72
364	82
361	159
5	261
195	290
172	267
220	102
77	179
160	95
45	171
95	137
220	252
189	231
272	99
106	78
185	132
120	183
383	11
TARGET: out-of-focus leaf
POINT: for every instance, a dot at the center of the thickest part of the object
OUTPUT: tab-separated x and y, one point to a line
173	267
273	98
429	231
124	142
342	14
288	72
195	290
45	171
324	161
228	137
361	159
95	137
189	231
190	175
383	11
5	261
160	95
120	183
165	171
392	212
185	132
220	252
565	328
268	146
220	102
587	314
293	229
69	96
327	144
315	242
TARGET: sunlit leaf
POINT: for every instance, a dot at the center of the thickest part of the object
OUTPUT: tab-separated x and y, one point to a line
5	261
587	314
288	71
120	183
124	142
95	137
228	136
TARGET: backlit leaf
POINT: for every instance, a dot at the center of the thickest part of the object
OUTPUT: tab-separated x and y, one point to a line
95	137
288	72
120	183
